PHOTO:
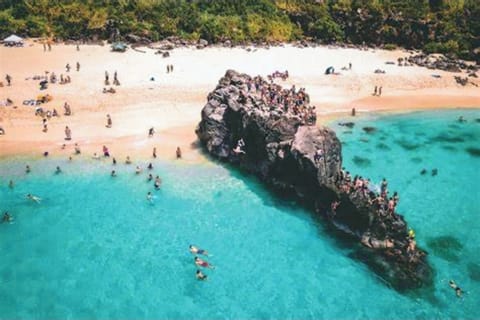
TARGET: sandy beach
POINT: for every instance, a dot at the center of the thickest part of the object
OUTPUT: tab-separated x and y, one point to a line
171	102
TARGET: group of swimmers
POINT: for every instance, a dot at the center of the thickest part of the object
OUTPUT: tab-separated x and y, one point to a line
200	262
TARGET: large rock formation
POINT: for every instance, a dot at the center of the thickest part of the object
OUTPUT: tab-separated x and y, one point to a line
272	133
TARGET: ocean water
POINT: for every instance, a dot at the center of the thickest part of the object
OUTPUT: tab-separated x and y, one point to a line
95	248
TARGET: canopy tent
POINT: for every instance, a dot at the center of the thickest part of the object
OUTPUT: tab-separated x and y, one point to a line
14	39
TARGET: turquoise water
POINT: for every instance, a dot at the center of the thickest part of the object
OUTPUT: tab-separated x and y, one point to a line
95	248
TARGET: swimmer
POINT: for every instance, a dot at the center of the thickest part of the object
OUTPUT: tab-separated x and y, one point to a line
114	161
6	218
150	177
434	172
27	169
138	170
157	183
150	166
113	174
11	184
58	170
96	156
455	287
461	119
200	275
34	198
149	196
424	171
196	250
128	161
201	263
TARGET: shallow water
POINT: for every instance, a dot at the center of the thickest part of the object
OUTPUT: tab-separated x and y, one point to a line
96	248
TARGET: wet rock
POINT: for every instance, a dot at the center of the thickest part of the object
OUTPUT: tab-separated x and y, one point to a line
474	271
361	162
293	156
369	130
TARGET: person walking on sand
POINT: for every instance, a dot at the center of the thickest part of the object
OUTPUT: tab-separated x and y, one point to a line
375	91
178	153
78	66
106	78
154	152
68	133
67	67
9	79
379	91
109	121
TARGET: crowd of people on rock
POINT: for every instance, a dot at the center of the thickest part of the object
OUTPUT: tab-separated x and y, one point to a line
384	206
282	100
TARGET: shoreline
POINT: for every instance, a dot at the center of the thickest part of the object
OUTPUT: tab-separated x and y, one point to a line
171	102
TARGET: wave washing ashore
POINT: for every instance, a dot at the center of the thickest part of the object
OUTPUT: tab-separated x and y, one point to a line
98	249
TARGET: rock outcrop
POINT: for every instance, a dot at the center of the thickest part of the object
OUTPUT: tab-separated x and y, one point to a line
272	133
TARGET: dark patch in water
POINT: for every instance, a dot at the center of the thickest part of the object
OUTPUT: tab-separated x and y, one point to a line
477	120
382	146
347	124
416	159
364	140
474	271
473	151
446	247
448	138
449	148
347	132
369	130
420	134
408	145
382	138
454	126
362	162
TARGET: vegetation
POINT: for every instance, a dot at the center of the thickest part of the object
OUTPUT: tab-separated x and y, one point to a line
446	26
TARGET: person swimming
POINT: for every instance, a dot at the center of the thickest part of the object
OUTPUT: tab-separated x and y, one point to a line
454	286
150	177
149	196
200	276
7	217
150	166
58	170
113	173
138	170
34	198
27	169
11	184
202	263
196	250
96	156
157	183
128	161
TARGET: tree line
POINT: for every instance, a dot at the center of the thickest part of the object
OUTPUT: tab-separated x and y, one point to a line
445	26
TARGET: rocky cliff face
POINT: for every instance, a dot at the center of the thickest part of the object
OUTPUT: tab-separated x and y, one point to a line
271	132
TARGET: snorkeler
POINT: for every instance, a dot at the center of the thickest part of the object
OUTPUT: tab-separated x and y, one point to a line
34	198
455	287
200	276
202	263
196	250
